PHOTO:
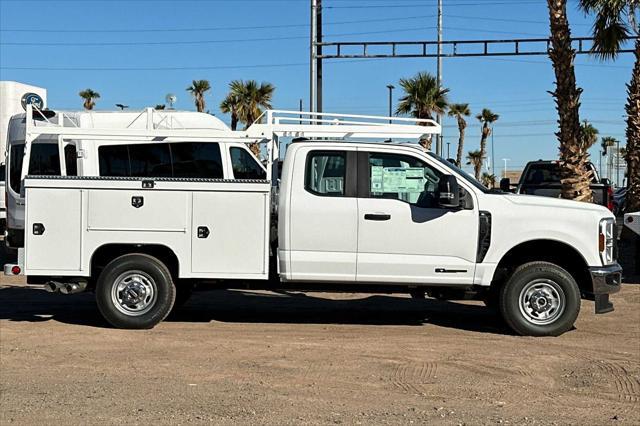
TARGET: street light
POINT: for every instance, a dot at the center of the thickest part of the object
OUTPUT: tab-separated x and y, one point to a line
505	165
390	87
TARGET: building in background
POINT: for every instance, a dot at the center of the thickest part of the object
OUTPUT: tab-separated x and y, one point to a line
12	94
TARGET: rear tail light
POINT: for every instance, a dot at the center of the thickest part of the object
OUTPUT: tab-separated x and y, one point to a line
15	270
610	198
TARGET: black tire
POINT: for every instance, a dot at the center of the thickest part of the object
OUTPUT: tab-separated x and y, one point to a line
144	278
534	287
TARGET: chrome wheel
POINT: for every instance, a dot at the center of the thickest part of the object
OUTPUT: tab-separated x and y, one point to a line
134	293
542	301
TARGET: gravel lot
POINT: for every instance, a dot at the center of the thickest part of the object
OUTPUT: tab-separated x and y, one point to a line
281	358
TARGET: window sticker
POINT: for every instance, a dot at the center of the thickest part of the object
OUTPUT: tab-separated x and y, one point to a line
397	179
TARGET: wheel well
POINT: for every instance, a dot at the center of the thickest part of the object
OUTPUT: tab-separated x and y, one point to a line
106	253
555	252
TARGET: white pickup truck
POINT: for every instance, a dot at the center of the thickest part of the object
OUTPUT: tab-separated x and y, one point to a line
351	216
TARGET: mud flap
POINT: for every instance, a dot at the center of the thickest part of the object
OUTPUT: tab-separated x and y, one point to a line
602	304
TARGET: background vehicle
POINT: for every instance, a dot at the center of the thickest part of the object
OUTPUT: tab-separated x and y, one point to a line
619	201
352	216
49	158
543	178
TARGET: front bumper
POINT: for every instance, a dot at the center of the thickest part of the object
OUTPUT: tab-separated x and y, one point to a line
606	280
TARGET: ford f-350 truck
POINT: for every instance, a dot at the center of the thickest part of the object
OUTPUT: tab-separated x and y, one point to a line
350	215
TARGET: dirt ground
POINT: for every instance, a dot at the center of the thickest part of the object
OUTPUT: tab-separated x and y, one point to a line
283	358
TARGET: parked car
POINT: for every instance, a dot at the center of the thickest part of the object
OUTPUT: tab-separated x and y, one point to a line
352	216
620	201
543	178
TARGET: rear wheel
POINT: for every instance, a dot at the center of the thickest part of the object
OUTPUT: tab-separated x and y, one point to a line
540	299
135	291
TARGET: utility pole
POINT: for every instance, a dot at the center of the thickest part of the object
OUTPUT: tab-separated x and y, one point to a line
493	154
505	166
313	60
439	73
300	109
448	153
319	55
390	87
618	164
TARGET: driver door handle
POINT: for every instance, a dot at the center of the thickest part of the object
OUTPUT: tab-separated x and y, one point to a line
377	216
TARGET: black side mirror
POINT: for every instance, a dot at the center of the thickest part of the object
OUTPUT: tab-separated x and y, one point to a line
448	192
605	181
505	184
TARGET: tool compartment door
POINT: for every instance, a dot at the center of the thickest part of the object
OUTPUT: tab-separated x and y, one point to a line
53	230
229	233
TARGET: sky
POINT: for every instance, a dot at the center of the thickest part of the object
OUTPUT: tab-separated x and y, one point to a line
135	52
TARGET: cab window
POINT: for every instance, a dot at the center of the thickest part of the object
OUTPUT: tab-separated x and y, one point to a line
45	160
325	173
245	166
404	178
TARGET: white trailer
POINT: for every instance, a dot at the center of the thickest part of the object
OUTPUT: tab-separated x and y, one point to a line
352	215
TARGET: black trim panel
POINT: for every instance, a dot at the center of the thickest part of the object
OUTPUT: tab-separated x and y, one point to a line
138	179
484	235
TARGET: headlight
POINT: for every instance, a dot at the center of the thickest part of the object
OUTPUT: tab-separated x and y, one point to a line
606	241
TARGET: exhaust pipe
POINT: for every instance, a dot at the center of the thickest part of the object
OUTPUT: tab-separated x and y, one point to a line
73	288
52	286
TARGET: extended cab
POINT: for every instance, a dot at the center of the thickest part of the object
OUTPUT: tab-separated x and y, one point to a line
351	215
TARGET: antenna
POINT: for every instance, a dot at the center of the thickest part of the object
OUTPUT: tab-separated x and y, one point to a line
171	99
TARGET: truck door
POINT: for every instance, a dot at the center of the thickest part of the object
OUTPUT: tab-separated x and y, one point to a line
323	222
403	236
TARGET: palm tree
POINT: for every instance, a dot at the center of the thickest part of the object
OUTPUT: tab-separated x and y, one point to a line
574	173
459	111
589	134
614	21
89	97
198	89
475	158
423	98
245	102
486	117
231	103
606	142
489	180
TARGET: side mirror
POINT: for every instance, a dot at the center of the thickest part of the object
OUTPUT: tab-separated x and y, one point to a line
448	192
605	181
505	184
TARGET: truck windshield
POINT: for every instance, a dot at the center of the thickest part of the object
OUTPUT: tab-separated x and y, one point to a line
459	171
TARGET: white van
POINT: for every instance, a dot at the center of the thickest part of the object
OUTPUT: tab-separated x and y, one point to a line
51	156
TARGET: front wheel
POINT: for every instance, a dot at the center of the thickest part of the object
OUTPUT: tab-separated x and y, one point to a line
540	299
135	291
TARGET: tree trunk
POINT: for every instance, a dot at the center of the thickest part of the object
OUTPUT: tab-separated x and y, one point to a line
483	140
575	177
234	120
477	168
426	143
633	136
461	126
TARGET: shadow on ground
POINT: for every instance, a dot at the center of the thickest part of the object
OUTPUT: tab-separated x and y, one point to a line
34	305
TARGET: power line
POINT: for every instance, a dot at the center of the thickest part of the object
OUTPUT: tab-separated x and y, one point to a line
250	27
186	42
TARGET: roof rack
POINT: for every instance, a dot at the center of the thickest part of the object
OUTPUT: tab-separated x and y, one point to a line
285	123
277	123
